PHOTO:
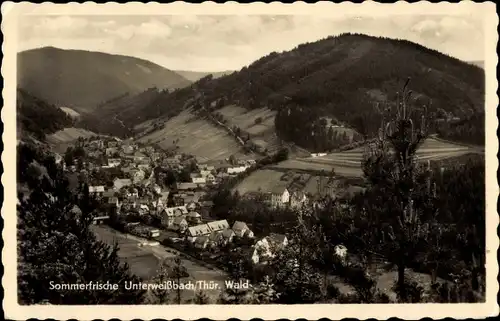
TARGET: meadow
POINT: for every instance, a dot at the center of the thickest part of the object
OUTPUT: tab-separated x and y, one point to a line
195	136
259	123
348	163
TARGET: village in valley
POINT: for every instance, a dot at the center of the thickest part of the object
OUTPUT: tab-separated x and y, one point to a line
335	171
136	187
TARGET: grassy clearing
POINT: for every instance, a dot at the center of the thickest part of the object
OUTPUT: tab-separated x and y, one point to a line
265	180
195	136
262	131
70	112
348	163
141	262
144	262
62	139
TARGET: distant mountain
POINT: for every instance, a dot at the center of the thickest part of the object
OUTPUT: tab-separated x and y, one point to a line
37	118
82	80
336	81
197	75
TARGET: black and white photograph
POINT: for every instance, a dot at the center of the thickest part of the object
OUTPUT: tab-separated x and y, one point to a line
219	159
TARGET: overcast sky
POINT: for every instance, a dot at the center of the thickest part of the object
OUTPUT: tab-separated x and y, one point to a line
218	43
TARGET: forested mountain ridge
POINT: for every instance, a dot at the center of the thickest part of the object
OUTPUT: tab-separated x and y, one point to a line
341	78
84	79
37	117
197	75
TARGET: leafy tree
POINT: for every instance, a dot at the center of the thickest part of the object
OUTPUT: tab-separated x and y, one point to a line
296	279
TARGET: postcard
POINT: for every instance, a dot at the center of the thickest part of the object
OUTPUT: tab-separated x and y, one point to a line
187	161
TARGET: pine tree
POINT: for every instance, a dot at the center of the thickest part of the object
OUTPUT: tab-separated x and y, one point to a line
401	204
55	244
201	298
160	295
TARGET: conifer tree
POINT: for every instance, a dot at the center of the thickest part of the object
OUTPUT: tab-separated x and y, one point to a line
401	201
56	246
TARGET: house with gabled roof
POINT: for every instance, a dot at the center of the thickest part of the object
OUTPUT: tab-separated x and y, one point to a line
297	199
267	247
118	183
241	229
179	224
114	162
227	236
218	225
193	218
201	242
216	239
196	231
279	196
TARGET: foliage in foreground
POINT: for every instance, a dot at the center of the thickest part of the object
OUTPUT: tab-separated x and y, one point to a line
56	245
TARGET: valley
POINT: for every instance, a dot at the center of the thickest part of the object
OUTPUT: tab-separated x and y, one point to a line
258	174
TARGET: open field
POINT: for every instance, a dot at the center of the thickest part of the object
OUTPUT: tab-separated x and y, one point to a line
262	133
141	261
144	261
70	112
348	163
195	136
60	140
265	180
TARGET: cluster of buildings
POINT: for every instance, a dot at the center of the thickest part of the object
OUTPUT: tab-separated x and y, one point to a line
216	233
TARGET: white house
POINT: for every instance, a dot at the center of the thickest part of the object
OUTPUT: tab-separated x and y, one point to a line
114	162
96	190
266	248
236	170
280	197
143	209
205	173
167	215
340	252
199	180
314	155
